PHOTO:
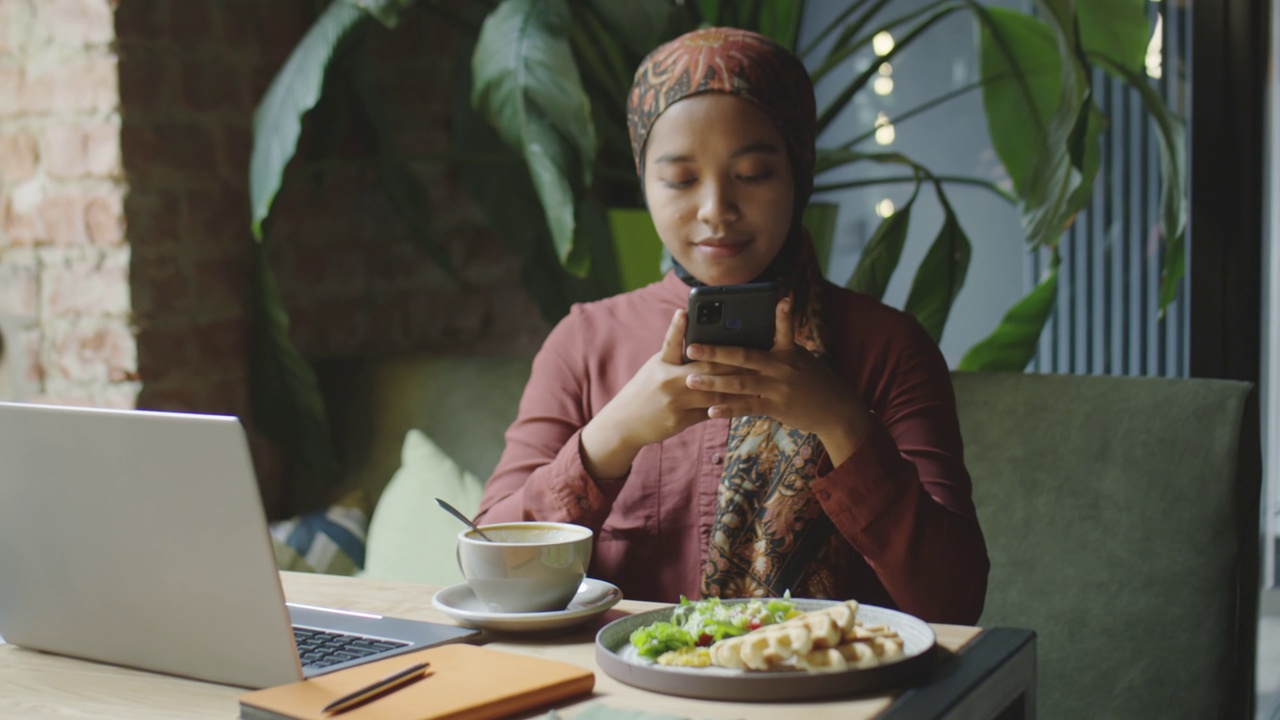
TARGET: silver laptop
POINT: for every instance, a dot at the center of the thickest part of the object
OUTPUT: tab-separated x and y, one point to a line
139	538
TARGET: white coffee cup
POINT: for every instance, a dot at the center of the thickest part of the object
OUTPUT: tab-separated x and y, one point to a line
528	567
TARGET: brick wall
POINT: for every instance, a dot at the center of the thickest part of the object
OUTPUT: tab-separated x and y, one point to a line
124	247
64	262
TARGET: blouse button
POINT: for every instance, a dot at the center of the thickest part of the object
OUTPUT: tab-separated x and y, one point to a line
824	495
716	458
584	503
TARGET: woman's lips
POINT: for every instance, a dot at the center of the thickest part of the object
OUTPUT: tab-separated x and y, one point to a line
720	248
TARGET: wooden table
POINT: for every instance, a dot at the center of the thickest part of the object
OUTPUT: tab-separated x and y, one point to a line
982	673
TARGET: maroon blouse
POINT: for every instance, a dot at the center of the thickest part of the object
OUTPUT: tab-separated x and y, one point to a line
901	503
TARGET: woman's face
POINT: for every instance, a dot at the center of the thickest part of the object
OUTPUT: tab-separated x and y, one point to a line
719	186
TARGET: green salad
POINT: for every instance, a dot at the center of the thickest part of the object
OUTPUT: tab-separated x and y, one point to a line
703	622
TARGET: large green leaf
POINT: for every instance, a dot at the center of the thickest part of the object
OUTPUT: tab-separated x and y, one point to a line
639	26
941	275
884	249
293	91
498	179
780	21
1173	168
1038	112
1019	59
1116	28
526	84
287	405
1013	343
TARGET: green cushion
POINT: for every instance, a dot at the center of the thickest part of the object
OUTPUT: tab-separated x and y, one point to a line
452	413
1121	530
410	538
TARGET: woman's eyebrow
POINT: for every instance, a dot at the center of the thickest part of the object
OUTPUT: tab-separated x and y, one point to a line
759	146
673	158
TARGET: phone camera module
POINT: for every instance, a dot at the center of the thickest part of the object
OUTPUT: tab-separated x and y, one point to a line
709	313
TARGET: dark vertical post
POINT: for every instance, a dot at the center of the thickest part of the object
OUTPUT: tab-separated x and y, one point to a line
1228	108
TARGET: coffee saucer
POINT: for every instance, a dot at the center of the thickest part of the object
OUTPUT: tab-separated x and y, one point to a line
593	597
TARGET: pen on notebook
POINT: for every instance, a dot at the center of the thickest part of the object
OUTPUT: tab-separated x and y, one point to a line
386	684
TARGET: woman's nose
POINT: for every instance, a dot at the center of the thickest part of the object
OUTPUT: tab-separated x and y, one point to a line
717	205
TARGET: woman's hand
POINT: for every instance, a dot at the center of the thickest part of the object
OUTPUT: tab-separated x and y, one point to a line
655	404
786	383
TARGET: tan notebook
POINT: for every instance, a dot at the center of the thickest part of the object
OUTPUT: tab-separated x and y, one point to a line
465	682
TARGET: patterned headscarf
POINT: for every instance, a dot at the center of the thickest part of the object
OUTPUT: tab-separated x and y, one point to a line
737	62
770	533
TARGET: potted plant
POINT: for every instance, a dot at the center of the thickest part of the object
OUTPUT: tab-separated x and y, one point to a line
546	101
552	77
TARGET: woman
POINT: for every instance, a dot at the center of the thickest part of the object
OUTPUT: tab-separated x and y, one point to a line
829	466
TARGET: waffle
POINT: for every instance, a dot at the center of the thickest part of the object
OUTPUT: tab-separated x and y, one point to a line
826	640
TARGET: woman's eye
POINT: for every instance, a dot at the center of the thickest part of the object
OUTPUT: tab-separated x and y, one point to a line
756	177
678	184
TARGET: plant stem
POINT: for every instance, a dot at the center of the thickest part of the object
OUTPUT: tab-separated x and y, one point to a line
844	14
951	179
919	109
838	55
827	115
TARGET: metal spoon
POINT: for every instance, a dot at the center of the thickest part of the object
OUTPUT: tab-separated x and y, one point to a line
458	514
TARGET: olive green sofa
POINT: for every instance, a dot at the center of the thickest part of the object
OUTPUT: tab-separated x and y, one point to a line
1121	523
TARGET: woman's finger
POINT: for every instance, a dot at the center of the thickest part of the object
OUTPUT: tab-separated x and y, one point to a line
736	384
783	333
673	344
738	406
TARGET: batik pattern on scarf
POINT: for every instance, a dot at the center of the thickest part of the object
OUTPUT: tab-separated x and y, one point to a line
736	62
770	534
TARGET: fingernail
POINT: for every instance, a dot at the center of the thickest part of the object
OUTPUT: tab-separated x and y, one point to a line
693	381
694	351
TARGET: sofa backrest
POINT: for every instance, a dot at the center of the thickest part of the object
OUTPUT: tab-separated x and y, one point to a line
1123	528
1120	523
464	404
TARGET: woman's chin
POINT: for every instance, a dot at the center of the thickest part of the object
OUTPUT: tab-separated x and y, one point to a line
722	274
723	278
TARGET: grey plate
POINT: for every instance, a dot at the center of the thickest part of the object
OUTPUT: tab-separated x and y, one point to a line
619	659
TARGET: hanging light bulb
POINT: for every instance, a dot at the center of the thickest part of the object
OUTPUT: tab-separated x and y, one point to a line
1155	49
882	43
885	133
885	208
883	85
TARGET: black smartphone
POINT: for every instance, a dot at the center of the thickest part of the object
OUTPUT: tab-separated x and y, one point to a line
740	315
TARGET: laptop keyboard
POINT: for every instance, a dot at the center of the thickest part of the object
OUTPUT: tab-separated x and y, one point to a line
322	648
